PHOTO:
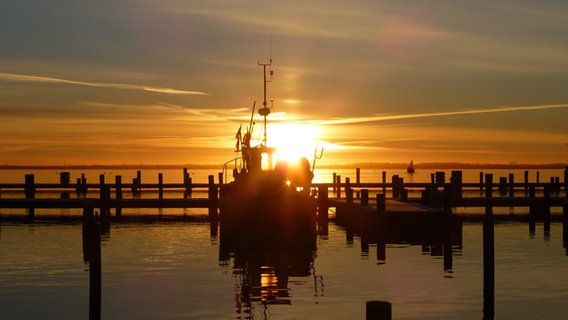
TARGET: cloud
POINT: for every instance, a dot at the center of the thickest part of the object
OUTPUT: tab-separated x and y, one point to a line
120	86
439	114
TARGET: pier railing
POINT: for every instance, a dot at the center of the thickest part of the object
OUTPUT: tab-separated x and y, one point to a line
437	193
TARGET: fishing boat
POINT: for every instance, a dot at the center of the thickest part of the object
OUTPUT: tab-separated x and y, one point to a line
270	197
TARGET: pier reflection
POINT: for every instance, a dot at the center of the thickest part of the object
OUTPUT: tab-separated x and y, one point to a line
263	262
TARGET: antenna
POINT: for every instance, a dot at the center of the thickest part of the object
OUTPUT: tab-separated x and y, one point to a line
264	111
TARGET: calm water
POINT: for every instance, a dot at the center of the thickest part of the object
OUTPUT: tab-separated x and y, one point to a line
173	271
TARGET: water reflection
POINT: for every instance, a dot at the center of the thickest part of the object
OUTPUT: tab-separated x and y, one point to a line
263	262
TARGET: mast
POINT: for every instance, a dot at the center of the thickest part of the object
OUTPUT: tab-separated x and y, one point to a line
265	111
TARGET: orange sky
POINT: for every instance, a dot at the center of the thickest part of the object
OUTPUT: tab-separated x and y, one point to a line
164	82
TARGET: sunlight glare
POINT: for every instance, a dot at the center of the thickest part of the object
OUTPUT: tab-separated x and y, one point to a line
294	140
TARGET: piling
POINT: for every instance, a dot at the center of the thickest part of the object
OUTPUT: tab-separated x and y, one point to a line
378	310
92	254
338	187
481	181
448	197
160	185
364	197
526	181
334	181
488	256
511	185
381	202
118	189
213	196
384	179
30	192
457	185
348	191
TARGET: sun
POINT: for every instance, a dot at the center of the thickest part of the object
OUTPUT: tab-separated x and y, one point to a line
294	140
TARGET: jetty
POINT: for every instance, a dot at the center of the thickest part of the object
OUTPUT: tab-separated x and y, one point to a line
395	196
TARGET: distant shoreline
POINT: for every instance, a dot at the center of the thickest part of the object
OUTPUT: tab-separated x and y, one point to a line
369	165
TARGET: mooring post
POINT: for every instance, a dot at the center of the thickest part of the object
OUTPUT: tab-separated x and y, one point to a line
334	181
488	255
358	180
481	181
220	176
348	191
395	189
30	192
118	182
546	209
338	187
566	184
526	182
538	177
92	254
488	185
511	185
160	185
378	310
381	205
101	185
488	265
213	196
364	197
84	188
457	185
448	197
384	176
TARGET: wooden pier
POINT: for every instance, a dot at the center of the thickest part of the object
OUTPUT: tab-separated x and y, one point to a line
395	196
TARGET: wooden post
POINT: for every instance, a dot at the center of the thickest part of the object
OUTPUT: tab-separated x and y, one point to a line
381	205
118	182
101	185
526	181
84	188
338	187
365	197
30	192
220	175
160	185
378	310
488	185
358	175
502	186
92	254
566	183
213	196
448	197
538	177
511	185
348	191
334	181
384	176
457	185
481	181
488	256
395	190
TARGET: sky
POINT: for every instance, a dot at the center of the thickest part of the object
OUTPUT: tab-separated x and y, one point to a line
171	81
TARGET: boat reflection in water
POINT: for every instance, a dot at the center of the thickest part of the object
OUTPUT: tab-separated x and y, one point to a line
263	261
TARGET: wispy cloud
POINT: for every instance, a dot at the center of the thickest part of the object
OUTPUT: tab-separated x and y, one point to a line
440	114
120	86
